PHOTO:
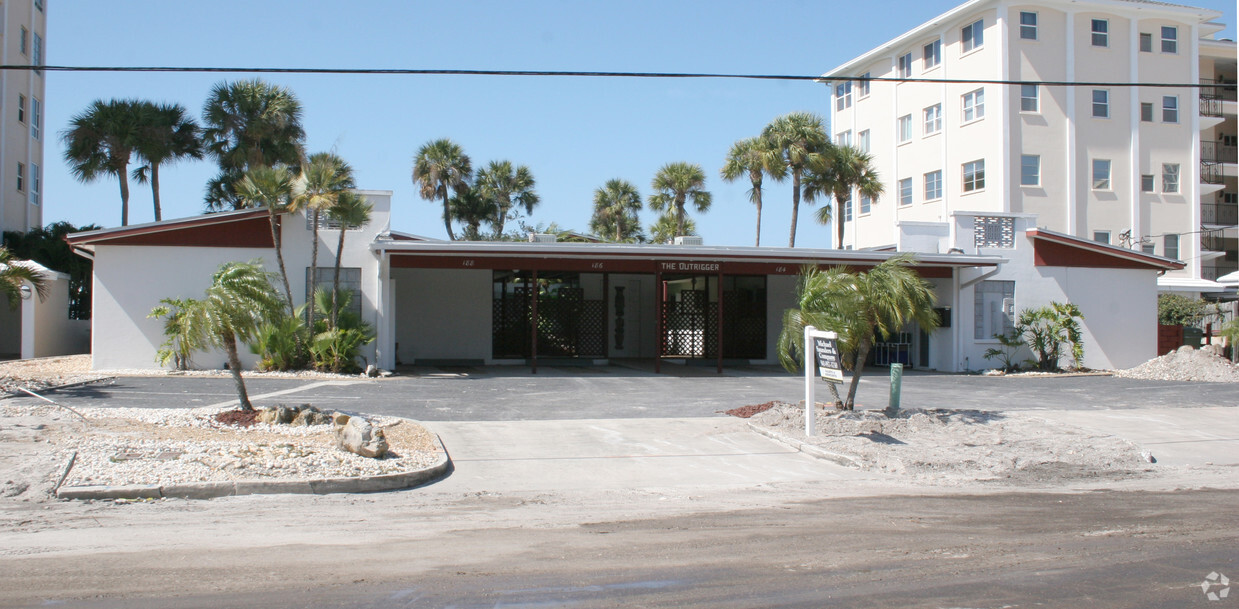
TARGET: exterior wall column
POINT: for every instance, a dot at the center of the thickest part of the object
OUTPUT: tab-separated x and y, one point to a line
1134	181
1072	187
385	344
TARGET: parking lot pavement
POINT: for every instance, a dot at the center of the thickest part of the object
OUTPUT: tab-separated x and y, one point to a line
1182	436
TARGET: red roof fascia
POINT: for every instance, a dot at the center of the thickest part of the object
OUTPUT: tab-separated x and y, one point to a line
1056	249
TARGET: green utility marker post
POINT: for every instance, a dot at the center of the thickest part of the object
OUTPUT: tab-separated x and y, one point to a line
896	387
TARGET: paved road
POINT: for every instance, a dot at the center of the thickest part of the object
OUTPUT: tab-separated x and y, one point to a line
611	392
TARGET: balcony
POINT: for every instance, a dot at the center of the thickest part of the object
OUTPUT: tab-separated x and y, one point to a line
1214	96
1218	269
1218	152
1219	214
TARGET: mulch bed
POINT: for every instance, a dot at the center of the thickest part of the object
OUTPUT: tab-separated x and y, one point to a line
238	418
745	412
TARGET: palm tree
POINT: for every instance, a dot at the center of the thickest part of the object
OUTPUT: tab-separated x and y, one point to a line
836	173
506	187
674	184
165	136
324	177
756	157
471	209
438	167
14	273
668	227
858	306
616	205
100	140
249	123
350	211
800	140
270	187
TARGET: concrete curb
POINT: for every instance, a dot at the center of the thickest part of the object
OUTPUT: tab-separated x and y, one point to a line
320	486
18	394
805	447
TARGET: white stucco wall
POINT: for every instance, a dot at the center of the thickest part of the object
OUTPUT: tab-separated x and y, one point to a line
443	314
47	330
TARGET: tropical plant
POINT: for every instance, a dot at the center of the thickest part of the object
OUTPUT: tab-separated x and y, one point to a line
14	273
471	209
616	205
835	173
858	306
100	141
674	185
1179	310
351	211
280	343
336	349
1009	345
47	246
248	124
800	139
506	188
668	227
755	158
324	177
165	135
440	166
181	336
272	188
1047	330
1230	331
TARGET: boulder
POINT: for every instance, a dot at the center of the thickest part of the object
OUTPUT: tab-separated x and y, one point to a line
339	418
266	415
372	371
311	416
359	436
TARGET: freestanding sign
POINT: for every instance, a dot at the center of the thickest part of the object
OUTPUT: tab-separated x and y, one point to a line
821	357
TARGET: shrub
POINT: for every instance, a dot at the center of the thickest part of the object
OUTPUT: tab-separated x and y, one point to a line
280	344
1011	343
1046	330
1179	310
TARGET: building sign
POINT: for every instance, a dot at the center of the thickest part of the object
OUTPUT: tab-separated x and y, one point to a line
689	267
826	356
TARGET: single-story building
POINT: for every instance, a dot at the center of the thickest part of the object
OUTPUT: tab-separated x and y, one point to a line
452	302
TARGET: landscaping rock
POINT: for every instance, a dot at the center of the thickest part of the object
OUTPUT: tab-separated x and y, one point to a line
311	416
339	418
359	437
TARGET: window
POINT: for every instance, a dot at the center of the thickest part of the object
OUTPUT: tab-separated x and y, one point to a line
350	281
933	119
1101	236
21	108
933	185
1101	174
1030	170
974	175
973	35
1146	183
1148	248
1170	109
862	141
933	54
1028	25
1146	112
38	5
36	117
1146	42
1170	246
1170	177
904	66
905	128
21	40
35	183
37	55
862	86
21	177
974	105
844	138
1170	39
843	96
866	204
994	312
1101	33
1028	99
1101	103
905	191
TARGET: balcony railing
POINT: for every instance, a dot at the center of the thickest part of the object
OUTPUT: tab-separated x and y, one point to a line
1218	152
1220	90
1224	214
1211	173
1213	271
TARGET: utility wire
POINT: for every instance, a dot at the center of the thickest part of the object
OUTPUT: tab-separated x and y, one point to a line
592	74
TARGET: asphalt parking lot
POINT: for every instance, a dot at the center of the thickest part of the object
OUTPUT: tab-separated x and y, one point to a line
613	392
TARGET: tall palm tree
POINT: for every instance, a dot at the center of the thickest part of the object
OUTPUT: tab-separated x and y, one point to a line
248	124
674	185
272	188
506	187
836	173
859	307
471	209
616	205
755	157
100	140
14	272
668	227
351	211
324	177
800	140
440	166
166	135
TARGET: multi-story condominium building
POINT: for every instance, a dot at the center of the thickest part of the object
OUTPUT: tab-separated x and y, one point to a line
1149	167
23	28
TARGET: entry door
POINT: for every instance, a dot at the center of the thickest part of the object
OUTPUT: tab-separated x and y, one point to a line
625	305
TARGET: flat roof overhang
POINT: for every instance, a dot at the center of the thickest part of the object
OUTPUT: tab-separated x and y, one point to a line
678	259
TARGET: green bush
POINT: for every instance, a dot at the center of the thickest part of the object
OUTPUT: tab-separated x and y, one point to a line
1179	310
338	349
280	344
1046	330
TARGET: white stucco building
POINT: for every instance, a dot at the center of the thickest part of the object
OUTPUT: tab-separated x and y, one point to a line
1146	168
23	40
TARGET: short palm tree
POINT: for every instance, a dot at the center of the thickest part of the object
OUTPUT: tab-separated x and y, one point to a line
859	307
800	139
754	157
439	167
506	187
100	141
165	136
248	124
471	210
674	185
616	205
835	174
668	227
351	211
14	273
324	177
272	188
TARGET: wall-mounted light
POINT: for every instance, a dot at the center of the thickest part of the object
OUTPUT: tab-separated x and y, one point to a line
26	292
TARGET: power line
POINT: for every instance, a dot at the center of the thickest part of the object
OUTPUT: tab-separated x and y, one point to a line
591	74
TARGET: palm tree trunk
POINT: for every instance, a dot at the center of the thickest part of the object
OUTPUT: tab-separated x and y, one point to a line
234	367
839	202
124	195
447	217
757	195
679	219
277	241
155	190
501	220
858	367
335	281
313	276
791	240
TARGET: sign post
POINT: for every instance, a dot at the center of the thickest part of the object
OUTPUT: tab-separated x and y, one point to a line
821	357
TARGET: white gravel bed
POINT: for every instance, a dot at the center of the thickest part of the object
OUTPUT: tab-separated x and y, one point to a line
1185	364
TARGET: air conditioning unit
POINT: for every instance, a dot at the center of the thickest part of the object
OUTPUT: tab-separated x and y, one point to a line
689	240
542	238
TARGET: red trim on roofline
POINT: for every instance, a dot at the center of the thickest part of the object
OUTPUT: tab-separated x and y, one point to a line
145	234
1057	249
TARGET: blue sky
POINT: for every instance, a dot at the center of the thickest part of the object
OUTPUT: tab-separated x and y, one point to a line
573	133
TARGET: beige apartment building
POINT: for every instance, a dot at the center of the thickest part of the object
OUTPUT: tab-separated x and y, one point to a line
23	28
1149	168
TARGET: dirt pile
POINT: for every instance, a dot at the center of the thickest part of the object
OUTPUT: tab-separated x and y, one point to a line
1204	365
